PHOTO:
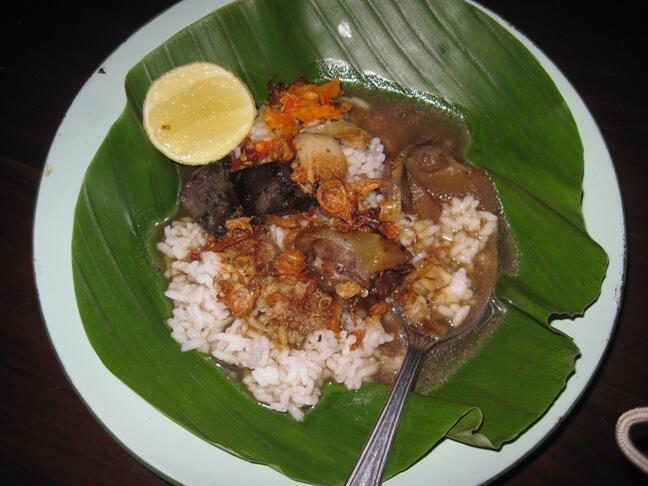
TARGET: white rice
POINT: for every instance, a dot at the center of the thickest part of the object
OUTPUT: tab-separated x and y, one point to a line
285	379
278	235
372	200
466	230
365	163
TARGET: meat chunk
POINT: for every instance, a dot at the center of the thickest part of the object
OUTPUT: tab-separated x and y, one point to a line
353	257
427	174
268	189
214	194
210	198
389	280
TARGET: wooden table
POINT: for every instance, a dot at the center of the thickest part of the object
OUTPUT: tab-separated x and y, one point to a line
47	54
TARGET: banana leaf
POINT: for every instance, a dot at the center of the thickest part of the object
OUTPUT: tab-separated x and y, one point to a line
447	53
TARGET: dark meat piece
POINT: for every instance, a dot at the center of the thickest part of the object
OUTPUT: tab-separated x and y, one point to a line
332	266
210	198
268	189
338	258
214	194
386	282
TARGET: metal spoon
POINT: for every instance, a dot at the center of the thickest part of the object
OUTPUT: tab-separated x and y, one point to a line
369	469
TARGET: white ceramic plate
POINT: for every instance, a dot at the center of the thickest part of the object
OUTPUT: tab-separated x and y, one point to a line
173	451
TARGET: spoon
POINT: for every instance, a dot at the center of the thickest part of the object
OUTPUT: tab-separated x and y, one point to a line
369	469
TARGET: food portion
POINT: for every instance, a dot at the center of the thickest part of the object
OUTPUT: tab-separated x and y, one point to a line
287	253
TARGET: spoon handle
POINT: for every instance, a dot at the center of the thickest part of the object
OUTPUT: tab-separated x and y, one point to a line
368	470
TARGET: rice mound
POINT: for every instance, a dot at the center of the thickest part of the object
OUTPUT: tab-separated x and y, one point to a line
284	379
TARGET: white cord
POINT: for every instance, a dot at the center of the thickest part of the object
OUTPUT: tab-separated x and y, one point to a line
624	424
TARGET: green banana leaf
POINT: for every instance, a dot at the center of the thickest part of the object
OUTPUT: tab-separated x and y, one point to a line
445	52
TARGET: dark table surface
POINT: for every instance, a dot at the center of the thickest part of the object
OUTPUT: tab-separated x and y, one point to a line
47	434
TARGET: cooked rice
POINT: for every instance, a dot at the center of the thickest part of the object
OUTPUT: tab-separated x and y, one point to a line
464	230
365	163
285	379
278	235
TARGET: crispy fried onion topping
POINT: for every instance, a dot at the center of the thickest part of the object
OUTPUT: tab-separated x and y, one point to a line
363	187
334	198
346	290
238	229
239	298
291	262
